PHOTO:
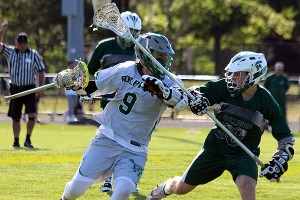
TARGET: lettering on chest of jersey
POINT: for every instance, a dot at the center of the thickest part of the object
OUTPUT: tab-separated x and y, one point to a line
237	122
131	81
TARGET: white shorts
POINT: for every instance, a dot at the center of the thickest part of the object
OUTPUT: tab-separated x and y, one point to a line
104	157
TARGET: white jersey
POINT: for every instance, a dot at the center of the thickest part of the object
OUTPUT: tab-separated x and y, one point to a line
133	113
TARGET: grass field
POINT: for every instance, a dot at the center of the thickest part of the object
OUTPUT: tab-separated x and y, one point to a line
43	172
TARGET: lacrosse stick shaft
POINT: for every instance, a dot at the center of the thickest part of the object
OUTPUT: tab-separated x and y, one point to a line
255	158
37	89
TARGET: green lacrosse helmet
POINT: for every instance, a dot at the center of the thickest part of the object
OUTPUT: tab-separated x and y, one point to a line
161	49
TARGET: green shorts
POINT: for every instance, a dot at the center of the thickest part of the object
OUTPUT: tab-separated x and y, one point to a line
208	166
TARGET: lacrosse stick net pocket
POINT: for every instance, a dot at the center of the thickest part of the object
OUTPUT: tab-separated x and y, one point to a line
108	16
79	76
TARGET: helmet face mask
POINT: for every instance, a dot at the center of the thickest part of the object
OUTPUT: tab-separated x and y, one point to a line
159	46
134	23
244	70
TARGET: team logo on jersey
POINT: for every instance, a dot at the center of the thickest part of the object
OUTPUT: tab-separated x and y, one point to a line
131	81
136	168
235	126
237	131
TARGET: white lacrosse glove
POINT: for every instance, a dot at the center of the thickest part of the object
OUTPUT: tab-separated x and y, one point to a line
86	99
155	86
199	106
278	164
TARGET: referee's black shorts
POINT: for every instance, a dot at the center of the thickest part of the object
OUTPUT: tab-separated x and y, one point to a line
15	105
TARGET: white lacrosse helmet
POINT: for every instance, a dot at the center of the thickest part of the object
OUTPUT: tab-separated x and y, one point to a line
134	23
253	63
155	43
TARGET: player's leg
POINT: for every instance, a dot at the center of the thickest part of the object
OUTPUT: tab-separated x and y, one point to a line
246	186
75	189
15	112
203	169
244	172
30	110
128	170
122	190
96	165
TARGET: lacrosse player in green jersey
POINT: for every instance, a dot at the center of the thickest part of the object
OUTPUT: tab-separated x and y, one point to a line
120	145
245	107
112	51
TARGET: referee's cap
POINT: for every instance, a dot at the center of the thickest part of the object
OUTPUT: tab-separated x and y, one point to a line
22	38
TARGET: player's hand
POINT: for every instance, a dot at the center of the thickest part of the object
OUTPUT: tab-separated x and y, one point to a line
199	105
86	99
155	86
272	171
4	26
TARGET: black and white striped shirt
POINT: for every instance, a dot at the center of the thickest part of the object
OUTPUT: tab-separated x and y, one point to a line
22	66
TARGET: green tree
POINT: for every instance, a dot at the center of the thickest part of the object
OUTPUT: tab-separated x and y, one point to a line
218	25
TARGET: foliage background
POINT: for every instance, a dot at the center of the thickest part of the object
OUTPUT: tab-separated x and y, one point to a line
204	33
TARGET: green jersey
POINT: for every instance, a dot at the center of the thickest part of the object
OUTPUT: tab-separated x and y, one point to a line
108	53
245	119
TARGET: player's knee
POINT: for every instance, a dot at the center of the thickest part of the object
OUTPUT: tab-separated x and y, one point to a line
122	190
31	118
177	186
74	189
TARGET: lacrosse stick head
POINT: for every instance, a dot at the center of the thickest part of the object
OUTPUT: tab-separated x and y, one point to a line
79	76
108	16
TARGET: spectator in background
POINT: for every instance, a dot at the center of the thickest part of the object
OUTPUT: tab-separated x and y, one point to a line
72	98
112	51
278	85
23	63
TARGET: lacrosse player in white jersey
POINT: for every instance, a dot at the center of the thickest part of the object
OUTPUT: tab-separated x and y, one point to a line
120	145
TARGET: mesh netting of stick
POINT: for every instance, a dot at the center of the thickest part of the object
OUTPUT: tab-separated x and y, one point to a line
108	16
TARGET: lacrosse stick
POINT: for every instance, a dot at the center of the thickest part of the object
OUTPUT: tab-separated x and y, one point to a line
79	76
108	17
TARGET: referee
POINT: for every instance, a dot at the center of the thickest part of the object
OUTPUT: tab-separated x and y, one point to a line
23	64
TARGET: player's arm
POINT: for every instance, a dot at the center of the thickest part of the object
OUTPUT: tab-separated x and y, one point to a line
3	29
278	164
94	63
170	95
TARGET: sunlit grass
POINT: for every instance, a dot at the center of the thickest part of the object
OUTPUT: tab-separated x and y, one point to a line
43	172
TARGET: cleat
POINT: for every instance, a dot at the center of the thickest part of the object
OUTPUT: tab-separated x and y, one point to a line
158	192
136	190
28	144
16	145
106	187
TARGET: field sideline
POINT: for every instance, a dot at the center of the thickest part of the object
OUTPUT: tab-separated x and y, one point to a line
43	172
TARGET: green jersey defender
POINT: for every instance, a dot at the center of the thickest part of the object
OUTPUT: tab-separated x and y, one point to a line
245	109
